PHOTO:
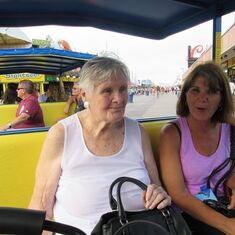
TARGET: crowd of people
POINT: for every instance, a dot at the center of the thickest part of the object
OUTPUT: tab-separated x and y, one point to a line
154	90
99	142
29	113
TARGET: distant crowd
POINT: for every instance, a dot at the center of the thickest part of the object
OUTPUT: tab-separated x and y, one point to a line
153	90
54	92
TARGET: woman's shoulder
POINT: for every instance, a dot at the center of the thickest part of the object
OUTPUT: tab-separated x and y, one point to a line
130	122
226	129
133	126
171	129
69	121
56	132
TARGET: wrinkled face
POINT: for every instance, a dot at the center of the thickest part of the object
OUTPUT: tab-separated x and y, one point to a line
202	101
108	99
75	90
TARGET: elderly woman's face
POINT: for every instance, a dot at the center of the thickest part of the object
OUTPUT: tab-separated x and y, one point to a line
109	99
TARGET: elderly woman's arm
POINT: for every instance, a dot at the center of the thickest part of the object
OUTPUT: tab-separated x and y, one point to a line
155	194
48	171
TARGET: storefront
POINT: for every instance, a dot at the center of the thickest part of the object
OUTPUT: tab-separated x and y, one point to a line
231	69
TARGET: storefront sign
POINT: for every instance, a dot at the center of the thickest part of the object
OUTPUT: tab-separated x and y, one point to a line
41	43
17	77
70	79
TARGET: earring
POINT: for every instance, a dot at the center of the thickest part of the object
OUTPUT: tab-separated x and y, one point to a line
86	104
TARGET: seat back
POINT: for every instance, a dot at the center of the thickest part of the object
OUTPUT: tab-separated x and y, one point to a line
31	222
21	221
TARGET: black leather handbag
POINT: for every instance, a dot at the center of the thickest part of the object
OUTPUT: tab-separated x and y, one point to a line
119	222
221	206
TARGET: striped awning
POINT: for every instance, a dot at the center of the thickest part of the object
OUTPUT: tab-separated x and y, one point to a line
41	60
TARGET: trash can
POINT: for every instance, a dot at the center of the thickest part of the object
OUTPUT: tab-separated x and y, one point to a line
130	97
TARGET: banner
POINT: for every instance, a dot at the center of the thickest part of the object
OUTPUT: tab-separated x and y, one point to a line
17	77
41	43
69	79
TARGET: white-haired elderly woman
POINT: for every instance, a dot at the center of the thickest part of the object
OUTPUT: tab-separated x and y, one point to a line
75	98
84	153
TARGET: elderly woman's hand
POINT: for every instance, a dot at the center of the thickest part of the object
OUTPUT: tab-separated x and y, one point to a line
156	196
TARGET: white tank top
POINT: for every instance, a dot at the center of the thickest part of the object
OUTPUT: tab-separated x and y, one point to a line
82	194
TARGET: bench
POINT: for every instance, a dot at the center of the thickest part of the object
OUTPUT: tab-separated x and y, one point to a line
19	153
7	112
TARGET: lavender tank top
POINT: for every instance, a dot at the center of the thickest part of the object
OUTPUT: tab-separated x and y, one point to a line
196	167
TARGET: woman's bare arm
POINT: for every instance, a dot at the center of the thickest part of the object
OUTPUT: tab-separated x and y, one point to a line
48	171
174	181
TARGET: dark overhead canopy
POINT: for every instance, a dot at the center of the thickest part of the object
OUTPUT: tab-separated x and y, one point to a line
154	19
40	60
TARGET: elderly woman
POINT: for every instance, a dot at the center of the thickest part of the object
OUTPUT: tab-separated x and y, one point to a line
84	153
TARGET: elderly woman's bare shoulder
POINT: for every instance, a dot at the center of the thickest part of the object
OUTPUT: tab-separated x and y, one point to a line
53	144
56	132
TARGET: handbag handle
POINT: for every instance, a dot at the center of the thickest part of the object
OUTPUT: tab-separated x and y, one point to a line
117	204
121	211
112	201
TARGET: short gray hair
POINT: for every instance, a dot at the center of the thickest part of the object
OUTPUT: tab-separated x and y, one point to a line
99	70
28	85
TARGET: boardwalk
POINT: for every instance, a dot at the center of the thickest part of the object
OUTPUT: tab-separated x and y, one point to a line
152	106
